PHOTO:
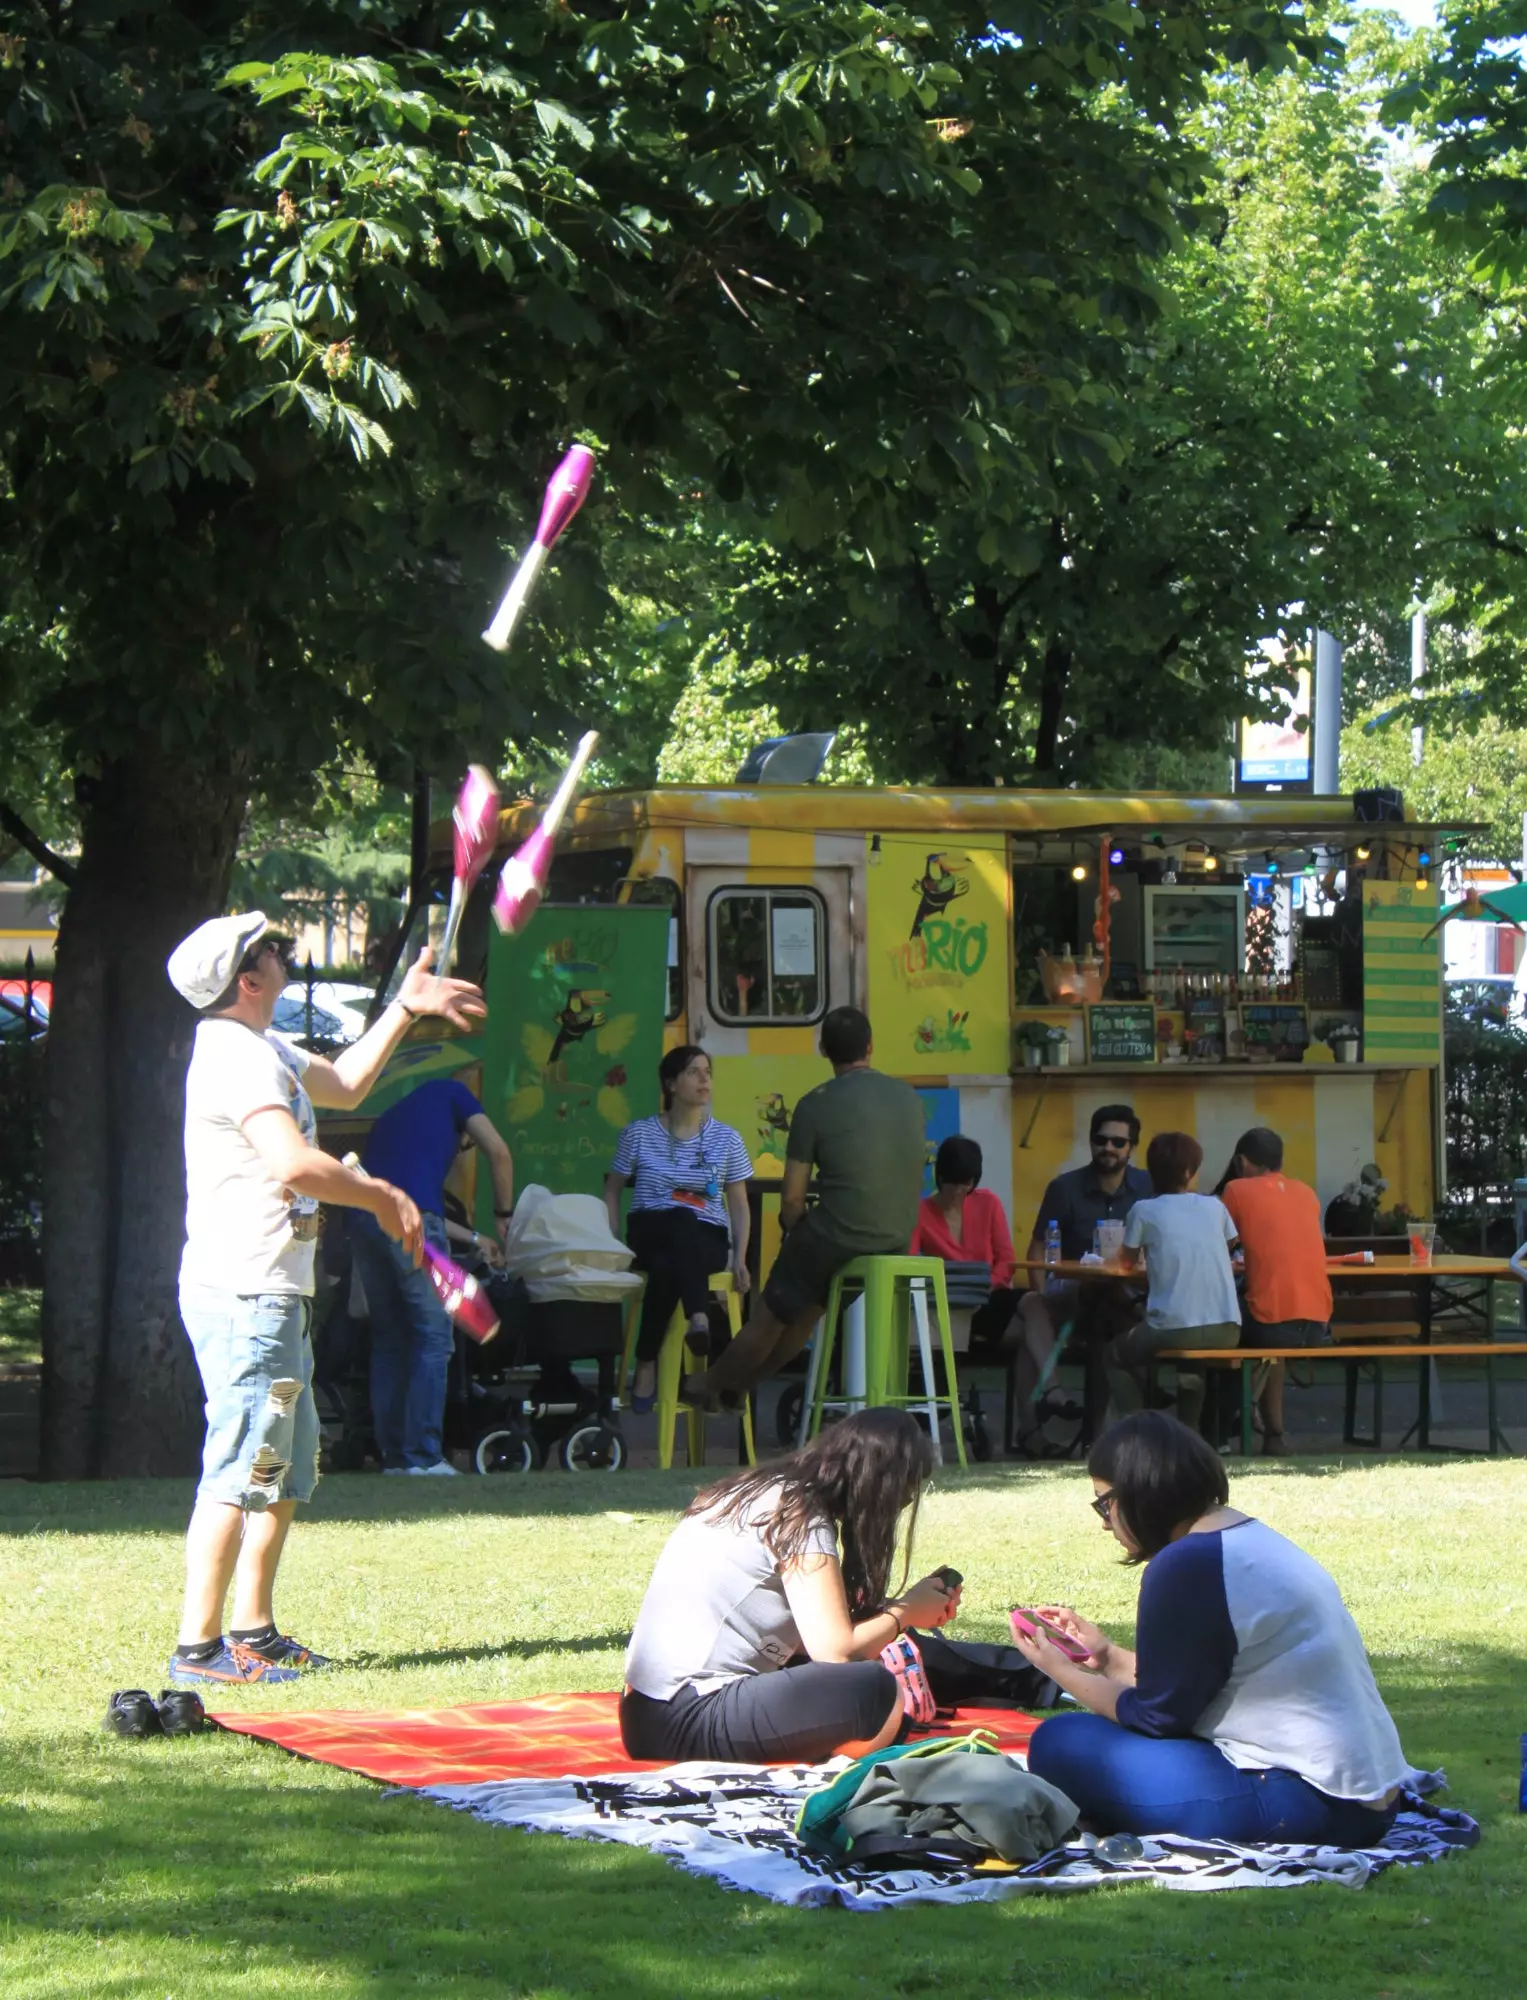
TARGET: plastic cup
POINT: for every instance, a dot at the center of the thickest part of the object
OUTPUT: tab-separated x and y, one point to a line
1422	1236
1110	1241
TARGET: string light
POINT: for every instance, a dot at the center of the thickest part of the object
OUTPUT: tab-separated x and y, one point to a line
1423	859
1079	872
1115	857
1211	862
1363	853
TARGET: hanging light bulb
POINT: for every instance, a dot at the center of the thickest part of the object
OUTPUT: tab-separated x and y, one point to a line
1363	853
1115	857
1079	872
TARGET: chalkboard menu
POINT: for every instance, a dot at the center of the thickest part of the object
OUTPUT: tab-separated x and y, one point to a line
1275	1031
1122	1032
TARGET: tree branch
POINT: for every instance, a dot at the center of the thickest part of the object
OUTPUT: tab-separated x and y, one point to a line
61	870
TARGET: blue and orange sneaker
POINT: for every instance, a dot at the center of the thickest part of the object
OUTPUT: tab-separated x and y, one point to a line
232	1665
283	1651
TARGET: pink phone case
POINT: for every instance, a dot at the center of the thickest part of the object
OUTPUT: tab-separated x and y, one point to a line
1029	1625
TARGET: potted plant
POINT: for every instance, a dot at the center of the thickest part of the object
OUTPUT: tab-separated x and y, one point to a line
1032	1037
1345	1041
1057	1048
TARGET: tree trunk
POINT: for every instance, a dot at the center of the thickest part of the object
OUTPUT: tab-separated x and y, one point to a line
1054	678
120	1390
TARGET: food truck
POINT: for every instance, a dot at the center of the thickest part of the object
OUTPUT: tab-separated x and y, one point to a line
1024	956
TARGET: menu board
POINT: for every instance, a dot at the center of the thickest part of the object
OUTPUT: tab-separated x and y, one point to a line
1122	1032
1275	1031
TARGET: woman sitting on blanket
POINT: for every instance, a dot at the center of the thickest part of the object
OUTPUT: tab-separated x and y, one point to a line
761	1634
1248	1711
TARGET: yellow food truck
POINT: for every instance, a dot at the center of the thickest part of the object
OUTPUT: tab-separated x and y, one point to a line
1024	957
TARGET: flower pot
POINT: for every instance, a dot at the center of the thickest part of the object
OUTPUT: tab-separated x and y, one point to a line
1057	1054
1032	1057
1346	1052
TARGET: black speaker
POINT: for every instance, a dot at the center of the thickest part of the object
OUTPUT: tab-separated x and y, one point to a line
1378	806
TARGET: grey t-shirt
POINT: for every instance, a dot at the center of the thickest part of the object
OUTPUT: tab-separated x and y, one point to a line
1186	1239
866	1136
716	1608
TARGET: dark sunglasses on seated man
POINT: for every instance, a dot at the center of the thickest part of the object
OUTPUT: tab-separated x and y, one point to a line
1111	1142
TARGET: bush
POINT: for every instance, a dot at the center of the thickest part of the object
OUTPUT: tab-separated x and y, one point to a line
1485	1114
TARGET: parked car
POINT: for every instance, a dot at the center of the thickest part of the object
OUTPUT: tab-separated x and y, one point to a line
24	1008
338	1012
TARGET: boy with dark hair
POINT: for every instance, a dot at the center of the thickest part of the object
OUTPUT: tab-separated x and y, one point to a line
864	1135
1288	1294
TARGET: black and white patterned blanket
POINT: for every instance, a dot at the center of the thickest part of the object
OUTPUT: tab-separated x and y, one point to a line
736	1824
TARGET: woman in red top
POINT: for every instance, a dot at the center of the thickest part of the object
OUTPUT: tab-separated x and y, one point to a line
964	1223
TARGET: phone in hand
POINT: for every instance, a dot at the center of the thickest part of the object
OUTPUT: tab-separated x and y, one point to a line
1029	1625
949	1578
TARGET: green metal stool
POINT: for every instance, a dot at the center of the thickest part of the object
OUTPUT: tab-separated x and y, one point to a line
889	1307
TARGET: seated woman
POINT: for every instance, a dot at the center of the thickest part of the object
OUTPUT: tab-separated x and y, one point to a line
759	1639
963	1223
691	1175
1248	1710
1185	1241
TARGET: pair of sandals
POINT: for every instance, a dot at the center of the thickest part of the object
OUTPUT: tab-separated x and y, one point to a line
134	1713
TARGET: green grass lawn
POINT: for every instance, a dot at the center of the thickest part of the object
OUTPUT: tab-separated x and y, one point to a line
215	1867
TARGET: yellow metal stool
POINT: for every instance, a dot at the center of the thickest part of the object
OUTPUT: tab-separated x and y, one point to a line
895	1291
676	1358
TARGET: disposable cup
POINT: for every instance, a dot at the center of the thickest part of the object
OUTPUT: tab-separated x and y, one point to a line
1110	1241
1422	1236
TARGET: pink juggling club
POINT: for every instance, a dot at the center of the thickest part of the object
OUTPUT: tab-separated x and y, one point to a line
463	1297
475	824
523	882
564	496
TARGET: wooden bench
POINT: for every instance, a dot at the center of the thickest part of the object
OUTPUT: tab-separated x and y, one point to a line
1353	1354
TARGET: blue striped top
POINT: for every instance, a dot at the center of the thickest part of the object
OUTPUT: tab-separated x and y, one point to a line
682	1173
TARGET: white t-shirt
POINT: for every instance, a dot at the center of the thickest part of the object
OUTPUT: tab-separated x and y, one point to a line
1186	1239
716	1607
239	1220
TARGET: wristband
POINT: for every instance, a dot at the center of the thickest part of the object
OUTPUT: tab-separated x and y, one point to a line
895	1612
411	1012
503	1213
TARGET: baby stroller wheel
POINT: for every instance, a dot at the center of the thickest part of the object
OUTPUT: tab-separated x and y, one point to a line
509	1448
592	1448
787	1415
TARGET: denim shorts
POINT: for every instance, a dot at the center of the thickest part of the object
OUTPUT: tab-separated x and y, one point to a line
255	1353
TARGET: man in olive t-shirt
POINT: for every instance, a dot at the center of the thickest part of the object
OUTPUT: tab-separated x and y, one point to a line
865	1135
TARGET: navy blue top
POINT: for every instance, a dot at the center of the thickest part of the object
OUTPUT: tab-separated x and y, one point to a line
414	1143
1079	1202
1185	1643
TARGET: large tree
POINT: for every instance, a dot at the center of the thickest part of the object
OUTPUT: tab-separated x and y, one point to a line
292	294
1280	447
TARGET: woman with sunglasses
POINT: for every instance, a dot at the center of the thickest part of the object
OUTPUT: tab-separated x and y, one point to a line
1248	1710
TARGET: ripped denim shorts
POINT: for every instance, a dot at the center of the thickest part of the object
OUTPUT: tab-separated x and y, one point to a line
255	1354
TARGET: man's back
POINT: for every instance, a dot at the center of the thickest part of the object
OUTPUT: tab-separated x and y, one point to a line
865	1135
1278	1220
414	1144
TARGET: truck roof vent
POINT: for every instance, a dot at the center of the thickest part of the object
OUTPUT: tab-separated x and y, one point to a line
788	760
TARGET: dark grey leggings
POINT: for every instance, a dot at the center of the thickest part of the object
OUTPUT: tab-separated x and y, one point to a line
808	1711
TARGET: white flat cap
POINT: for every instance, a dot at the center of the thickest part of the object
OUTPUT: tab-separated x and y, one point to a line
201	967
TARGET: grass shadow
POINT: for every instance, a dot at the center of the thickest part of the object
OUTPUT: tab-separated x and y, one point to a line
508	1649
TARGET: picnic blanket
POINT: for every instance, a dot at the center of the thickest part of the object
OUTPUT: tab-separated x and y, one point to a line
551	1736
735	1824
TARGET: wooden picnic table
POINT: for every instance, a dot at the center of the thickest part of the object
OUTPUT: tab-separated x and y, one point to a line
1391	1272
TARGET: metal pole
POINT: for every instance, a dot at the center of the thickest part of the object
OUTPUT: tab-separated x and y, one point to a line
1327	716
1417	675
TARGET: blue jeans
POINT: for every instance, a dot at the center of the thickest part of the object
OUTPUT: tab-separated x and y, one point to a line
255	1356
1126	1783
411	1343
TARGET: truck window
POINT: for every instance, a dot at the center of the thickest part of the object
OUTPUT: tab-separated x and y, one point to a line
766	958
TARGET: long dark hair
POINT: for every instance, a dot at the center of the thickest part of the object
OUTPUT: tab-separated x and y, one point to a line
673	1066
860	1475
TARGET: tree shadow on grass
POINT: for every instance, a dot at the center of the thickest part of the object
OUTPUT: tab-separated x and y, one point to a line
213	1865
507	1649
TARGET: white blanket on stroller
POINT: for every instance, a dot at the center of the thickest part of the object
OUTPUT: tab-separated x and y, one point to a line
562	1247
736	1824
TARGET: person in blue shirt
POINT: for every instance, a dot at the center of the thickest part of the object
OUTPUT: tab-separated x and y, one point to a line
1247	1709
689	1208
414	1146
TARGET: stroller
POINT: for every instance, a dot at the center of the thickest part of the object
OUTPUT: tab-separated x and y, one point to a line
560	1300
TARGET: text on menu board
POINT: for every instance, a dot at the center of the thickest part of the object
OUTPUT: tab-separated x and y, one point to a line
1122	1032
